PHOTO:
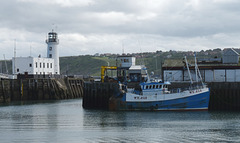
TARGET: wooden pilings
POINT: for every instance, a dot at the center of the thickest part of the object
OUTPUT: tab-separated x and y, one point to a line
40	89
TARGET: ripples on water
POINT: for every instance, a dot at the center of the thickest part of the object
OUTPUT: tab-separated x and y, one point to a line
67	121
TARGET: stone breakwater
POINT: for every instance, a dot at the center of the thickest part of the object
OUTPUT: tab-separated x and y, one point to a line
40	89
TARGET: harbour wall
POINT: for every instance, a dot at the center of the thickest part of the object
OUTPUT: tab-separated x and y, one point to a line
40	89
224	96
96	95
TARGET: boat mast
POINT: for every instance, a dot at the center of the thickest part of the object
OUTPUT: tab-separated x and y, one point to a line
197	70
196	67
188	70
200	77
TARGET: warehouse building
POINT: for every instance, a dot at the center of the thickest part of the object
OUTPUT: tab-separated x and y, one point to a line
226	69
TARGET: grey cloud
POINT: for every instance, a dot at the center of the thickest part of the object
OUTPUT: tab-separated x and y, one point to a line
181	20
177	20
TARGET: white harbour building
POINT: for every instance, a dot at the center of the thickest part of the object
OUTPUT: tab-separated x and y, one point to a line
36	66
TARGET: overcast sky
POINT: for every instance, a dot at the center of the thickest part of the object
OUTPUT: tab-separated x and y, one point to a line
109	26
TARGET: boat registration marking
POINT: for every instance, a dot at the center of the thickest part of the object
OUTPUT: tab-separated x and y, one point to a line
136	97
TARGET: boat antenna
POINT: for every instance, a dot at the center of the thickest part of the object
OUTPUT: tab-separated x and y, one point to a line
56	28
53	27
122	48
141	61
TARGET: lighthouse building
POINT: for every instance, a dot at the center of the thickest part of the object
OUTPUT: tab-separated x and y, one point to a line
38	65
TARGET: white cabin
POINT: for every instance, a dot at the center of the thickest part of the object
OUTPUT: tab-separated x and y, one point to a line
33	65
127	61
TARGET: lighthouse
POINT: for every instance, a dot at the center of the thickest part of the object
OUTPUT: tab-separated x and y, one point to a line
52	50
39	65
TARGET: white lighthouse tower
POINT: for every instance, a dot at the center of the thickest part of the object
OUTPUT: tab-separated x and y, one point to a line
52	50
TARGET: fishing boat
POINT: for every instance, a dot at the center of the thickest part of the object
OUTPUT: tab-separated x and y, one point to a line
153	95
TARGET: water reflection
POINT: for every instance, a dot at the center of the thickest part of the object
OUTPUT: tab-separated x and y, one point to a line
67	121
165	126
26	121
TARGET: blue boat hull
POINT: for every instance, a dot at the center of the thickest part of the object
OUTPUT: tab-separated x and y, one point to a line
196	102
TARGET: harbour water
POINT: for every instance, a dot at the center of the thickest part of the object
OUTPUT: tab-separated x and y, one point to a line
66	121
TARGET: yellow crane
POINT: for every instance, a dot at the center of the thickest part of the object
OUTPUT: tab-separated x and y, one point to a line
104	69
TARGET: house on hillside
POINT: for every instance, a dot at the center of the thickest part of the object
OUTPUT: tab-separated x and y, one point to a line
230	56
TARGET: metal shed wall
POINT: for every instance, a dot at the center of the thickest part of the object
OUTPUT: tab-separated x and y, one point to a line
173	75
208	75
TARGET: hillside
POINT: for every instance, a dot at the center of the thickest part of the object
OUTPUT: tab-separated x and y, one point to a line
83	65
91	65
